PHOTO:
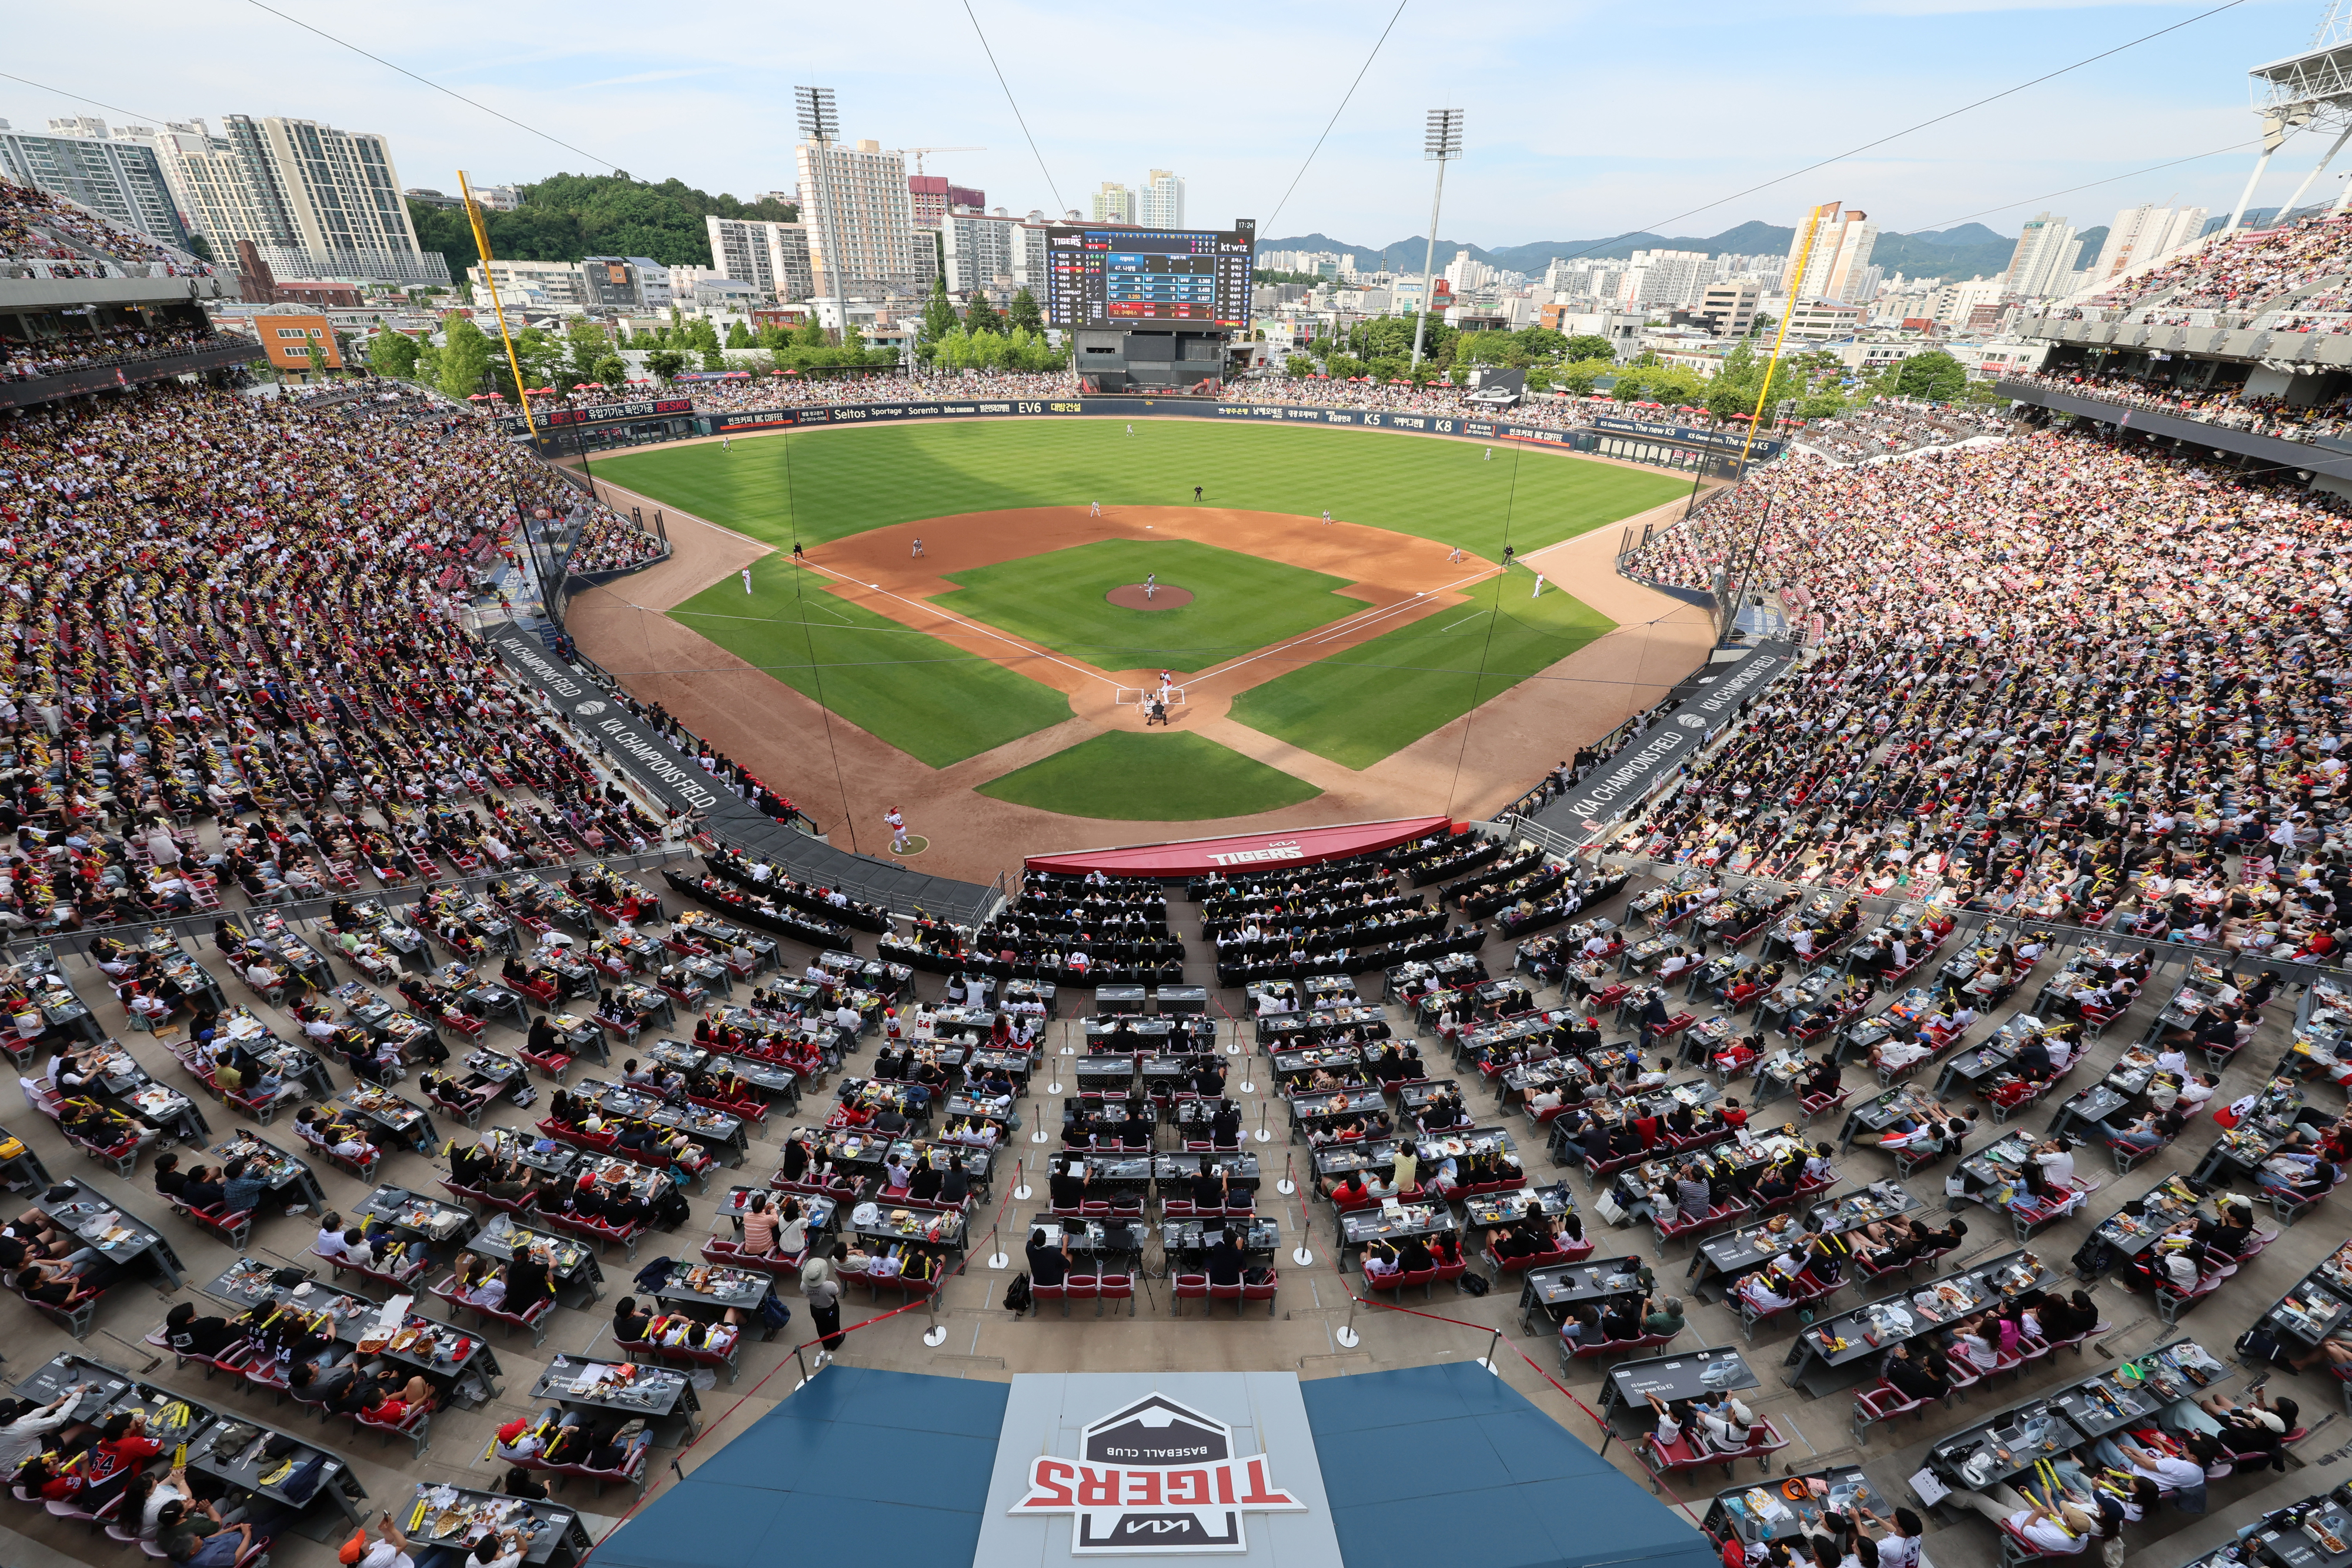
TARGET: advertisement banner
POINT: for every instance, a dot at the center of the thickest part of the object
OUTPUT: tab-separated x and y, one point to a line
1244	853
1709	699
1480	428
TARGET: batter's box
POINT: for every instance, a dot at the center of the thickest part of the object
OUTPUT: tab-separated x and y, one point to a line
1136	696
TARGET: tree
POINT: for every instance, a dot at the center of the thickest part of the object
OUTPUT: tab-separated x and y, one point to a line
665	363
982	316
612	370
1541	342
1934	375
1023	313
938	313
1589	346
587	343
1346	367
391	353
463	357
736	338
1764	325
1297	366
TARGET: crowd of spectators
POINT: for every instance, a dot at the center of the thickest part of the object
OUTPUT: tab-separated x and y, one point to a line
1885	429
49	236
608	543
29	360
2057	679
235	656
2243	272
2226	406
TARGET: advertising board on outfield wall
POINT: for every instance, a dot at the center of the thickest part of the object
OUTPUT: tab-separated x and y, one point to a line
1475	428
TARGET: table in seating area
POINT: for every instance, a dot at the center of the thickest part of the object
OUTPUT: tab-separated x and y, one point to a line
1134	1034
1118	999
241	1466
1687	1374
2006	1445
1186	1240
1240	1168
663	1397
572	1265
118	1237
1101	1240
2313	1308
2291	1536
720	1133
1726	1257
450	1517
1732	1512
1555	1290
291	1180
402	1122
1831	1354
1361	1228
429	1220
461	1366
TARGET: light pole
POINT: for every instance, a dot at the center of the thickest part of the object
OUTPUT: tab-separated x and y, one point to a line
1441	145
822	125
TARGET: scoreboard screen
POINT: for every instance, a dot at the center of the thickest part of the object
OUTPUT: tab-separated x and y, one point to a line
1119	278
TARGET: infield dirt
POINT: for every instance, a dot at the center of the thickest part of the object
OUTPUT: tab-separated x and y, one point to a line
782	735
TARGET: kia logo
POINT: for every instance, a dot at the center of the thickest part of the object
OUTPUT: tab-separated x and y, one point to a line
1688	721
591	709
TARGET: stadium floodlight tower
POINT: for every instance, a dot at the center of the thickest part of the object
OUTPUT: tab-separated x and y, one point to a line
1442	146
2310	90
820	124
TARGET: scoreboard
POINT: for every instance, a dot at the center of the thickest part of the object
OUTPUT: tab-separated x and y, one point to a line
1121	277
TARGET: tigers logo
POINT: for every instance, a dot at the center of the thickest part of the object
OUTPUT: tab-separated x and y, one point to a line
1155	1478
588	709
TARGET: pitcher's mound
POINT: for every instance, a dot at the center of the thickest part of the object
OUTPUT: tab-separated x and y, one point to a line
1129	596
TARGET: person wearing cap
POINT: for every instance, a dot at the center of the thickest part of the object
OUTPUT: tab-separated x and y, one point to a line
1727	1428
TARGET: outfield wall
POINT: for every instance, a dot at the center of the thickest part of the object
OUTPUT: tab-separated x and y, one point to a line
1718	449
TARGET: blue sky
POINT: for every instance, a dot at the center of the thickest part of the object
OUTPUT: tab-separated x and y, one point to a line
1584	118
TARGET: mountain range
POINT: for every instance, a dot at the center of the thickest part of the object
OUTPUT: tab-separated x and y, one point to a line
1970	250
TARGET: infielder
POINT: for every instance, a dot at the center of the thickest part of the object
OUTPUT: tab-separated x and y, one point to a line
1094	509
918	551
1538	592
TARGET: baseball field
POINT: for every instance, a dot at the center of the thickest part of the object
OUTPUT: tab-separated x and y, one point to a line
996	603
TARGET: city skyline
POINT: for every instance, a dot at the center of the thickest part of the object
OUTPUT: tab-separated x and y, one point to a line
648	102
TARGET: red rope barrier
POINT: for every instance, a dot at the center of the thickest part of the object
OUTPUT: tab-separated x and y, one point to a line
1590	1415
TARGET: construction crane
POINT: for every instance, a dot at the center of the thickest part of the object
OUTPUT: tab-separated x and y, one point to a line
918	153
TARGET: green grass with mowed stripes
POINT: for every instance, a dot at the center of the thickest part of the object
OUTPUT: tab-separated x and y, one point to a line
1357	705
930	699
940	704
823	485
1151	777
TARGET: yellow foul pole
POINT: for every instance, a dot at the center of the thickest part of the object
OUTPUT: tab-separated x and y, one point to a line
1796	282
482	244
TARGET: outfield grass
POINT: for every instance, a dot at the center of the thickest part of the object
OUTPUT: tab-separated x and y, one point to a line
933	701
824	484
1160	777
1357	706
1240	603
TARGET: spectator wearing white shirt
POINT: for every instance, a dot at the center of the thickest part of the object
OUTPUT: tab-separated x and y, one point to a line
2062	1533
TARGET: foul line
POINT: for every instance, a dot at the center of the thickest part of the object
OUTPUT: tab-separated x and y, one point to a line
1030	649
1356	622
